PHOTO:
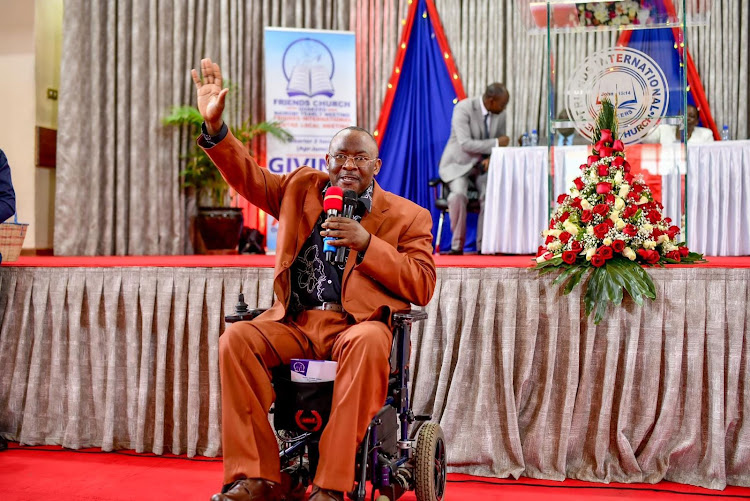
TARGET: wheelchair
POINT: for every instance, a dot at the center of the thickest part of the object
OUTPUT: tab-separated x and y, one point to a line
387	457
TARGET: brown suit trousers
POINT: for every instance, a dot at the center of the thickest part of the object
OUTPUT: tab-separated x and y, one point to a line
247	352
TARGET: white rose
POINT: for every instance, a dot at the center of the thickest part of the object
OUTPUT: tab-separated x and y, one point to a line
618	177
571	228
607	241
662	239
574	192
554	233
670	247
620	224
649	244
594	177
615	215
628	253
590	230
553	246
590	253
647	228
624	190
541	258
643	200
619	203
585	205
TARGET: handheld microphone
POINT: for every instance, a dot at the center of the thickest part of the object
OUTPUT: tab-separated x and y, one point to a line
349	203
333	204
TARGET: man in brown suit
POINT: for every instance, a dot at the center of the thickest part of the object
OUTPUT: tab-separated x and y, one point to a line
322	310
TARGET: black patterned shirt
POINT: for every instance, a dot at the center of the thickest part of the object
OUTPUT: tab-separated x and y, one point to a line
313	279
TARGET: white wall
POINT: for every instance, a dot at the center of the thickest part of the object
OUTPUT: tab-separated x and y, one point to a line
30	43
17	105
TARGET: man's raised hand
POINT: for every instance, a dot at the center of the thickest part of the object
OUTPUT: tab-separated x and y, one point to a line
210	95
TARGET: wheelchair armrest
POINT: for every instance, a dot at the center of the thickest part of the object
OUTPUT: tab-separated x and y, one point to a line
435	181
244	316
408	316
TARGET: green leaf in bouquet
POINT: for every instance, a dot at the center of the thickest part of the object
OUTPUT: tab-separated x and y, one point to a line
595	298
631	276
555	261
567	272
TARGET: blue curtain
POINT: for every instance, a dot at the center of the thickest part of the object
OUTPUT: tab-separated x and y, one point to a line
420	121
660	45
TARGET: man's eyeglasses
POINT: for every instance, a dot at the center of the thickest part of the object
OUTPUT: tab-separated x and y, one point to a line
340	159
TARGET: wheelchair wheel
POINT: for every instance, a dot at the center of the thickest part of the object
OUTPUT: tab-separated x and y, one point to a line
430	469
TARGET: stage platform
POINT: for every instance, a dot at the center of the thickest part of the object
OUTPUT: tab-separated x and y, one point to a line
121	352
257	261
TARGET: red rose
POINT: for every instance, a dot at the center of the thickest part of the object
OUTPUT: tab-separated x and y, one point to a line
603	170
683	251
599	145
618	146
569	257
552	224
650	256
576	203
605	152
618	245
626	167
612	15
586	216
565	236
548	256
597	260
561	198
601	230
628	178
630	230
576	246
549	239
618	161
610	198
609	223
606	136
667	220
605	251
629	211
592	159
653	216
583	166
541	250
601	209
564	216
656	233
603	187
673	231
675	254
579	184
633	195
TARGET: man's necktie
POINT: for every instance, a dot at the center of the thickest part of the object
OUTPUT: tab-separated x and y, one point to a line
487	125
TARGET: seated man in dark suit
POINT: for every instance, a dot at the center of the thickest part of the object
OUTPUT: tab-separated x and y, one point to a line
568	136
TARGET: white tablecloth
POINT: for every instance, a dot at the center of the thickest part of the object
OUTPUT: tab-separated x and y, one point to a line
718	194
517	207
516	203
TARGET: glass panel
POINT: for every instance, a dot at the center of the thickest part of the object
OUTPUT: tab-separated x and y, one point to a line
640	67
616	15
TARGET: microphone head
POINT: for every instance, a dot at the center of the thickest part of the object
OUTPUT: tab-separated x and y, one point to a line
334	199
350	198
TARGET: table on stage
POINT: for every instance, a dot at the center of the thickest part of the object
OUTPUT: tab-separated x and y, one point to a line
516	207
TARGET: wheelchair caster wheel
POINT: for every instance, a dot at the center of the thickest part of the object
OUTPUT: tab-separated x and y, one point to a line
430	472
382	498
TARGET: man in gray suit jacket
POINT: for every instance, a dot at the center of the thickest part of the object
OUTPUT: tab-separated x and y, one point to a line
478	125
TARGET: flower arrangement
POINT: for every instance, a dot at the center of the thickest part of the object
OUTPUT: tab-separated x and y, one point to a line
614	13
609	223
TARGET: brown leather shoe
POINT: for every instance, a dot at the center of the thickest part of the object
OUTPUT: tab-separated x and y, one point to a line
292	489
251	489
319	494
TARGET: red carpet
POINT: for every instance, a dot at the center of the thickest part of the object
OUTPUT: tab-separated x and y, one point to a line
255	261
34	473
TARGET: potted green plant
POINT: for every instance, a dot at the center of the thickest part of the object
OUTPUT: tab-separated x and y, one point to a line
218	224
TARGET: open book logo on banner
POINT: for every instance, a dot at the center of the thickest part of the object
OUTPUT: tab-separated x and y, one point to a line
629	78
308	68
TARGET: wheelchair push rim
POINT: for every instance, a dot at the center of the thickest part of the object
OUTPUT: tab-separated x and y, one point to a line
430	463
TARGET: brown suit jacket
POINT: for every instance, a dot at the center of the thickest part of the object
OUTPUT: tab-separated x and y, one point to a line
397	268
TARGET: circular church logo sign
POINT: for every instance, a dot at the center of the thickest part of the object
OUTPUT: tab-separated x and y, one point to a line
631	80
